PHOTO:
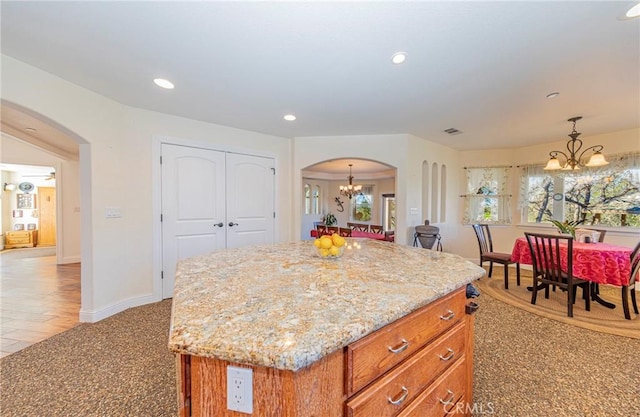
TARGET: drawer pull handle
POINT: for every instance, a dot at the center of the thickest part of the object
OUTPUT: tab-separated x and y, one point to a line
450	355
449	400
401	398
449	316
400	348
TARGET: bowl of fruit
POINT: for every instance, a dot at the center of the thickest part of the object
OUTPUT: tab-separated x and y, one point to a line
330	246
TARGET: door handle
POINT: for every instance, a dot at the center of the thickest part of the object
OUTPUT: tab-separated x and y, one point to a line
231	224
218	224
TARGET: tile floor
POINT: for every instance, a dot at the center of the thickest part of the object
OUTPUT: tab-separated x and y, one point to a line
38	299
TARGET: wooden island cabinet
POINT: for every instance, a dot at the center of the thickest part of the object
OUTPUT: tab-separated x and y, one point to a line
346	348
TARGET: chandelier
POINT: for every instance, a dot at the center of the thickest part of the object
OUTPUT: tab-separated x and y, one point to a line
350	190
573	162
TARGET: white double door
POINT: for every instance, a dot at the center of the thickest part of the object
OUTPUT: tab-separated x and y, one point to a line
212	200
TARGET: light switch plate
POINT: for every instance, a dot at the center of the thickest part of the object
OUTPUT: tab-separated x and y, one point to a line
112	212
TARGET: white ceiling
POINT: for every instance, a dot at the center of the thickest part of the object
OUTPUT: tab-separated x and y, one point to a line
481	67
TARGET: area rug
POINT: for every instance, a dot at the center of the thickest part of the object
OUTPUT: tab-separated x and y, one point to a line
599	319
19	253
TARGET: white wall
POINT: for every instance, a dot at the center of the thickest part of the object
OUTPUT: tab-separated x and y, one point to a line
404	152
421	150
388	149
118	254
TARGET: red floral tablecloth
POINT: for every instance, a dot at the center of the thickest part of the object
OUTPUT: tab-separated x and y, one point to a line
598	262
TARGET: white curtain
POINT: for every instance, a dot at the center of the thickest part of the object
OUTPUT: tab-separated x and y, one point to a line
487	199
529	171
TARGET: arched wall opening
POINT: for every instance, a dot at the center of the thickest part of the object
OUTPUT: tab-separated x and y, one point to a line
376	177
61	142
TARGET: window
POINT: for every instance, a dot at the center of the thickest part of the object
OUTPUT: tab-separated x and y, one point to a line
608	196
311	199
362	204
307	199
389	211
487	199
425	190
316	199
443	193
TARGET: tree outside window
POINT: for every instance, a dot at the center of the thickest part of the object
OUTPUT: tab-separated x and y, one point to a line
608	196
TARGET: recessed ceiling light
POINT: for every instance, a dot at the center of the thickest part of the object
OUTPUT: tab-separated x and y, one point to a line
399	57
289	117
161	82
634	11
553	95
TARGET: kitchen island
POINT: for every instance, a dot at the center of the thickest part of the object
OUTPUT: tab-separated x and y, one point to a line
324	337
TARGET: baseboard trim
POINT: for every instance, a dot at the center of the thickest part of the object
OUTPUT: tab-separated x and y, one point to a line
103	313
70	260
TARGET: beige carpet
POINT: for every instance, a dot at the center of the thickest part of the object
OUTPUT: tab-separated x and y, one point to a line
525	366
599	319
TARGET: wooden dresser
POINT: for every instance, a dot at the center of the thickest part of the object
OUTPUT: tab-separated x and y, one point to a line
21	239
418	366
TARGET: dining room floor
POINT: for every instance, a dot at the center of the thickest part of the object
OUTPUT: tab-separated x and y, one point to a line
38	298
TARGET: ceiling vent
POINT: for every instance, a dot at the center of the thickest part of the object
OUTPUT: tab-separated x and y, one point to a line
452	131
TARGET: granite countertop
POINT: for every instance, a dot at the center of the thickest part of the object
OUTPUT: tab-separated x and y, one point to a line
282	306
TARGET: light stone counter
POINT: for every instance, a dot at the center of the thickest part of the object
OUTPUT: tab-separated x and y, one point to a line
282	306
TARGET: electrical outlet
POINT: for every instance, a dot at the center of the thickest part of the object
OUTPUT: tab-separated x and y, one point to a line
240	389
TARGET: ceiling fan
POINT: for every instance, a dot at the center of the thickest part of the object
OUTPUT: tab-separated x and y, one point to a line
50	176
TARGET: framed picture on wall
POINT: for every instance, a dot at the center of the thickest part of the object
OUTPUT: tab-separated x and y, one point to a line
18	213
26	201
31	226
18	226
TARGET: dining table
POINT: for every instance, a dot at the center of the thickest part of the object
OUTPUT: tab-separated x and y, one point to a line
597	262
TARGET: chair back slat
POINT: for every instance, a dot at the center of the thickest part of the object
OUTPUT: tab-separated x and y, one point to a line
635	265
484	238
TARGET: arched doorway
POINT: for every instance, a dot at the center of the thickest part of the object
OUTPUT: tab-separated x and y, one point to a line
34	139
321	192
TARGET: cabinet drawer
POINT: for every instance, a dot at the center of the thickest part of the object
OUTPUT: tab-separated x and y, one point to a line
372	356
410	378
442	396
14	240
19	235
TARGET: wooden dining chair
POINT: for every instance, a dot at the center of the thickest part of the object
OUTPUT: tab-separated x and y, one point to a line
602	232
344	231
631	287
322	230
488	255
361	227
547	268
595	287
376	229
